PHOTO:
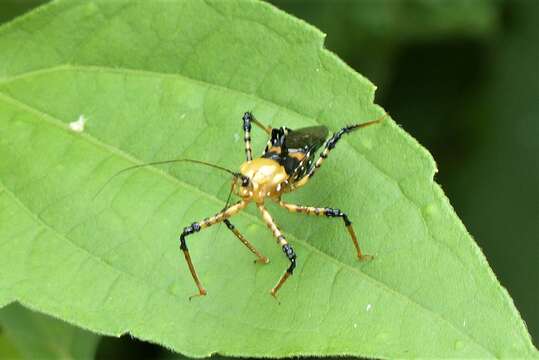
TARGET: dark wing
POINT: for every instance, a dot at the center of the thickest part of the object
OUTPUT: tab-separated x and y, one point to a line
306	138
301	145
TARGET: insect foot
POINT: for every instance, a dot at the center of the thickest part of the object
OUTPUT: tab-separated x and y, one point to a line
263	260
365	257
202	292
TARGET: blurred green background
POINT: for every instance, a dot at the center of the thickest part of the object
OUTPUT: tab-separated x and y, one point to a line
461	76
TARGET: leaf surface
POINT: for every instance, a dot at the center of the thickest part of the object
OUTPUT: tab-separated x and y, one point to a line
160	80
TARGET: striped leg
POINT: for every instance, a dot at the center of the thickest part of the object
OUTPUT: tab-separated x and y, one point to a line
330	144
287	249
196	227
261	258
329	212
248	118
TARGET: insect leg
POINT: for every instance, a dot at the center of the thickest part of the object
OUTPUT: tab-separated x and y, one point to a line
330	144
267	129
248	118
261	258
287	249
329	212
196	227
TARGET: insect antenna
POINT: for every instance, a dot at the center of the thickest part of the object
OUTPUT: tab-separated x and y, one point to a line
153	163
226	206
229	196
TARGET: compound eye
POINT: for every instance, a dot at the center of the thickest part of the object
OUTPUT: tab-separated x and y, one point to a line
244	181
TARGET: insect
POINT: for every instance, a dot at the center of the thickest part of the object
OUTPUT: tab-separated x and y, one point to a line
286	164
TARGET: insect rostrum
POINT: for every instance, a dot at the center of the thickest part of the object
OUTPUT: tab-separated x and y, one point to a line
286	165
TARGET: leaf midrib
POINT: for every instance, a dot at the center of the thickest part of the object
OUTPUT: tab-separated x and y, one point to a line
58	123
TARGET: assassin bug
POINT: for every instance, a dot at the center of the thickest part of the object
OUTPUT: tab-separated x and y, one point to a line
286	164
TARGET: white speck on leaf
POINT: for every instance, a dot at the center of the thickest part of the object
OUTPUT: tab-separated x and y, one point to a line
236	137
464	323
355	326
182	116
78	125
369	307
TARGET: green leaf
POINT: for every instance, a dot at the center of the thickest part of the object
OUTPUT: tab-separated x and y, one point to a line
159	80
37	336
7	348
13	8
